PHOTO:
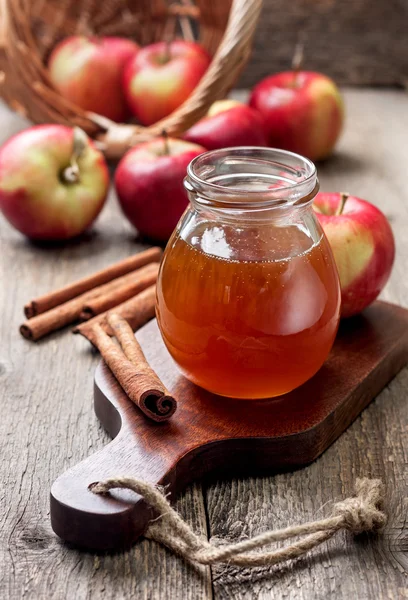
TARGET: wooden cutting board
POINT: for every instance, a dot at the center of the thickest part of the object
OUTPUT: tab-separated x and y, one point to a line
218	436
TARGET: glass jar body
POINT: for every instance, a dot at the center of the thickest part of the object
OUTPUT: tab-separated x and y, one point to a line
248	306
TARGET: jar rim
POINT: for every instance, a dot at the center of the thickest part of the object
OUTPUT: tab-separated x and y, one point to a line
296	178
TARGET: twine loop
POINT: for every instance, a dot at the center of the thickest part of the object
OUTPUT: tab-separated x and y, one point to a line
360	513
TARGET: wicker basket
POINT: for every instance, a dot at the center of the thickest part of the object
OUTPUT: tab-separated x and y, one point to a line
30	28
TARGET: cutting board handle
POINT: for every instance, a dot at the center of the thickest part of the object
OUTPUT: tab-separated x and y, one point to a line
110	521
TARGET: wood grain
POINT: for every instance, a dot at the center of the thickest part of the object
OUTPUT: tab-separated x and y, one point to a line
48	426
368	163
359	42
36	405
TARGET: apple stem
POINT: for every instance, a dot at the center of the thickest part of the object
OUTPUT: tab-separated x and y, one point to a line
166	146
80	140
71	174
167	51
297	59
343	199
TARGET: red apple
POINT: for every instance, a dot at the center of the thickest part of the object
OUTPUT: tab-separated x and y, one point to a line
89	71
53	183
228	123
149	183
162	76
303	112
363	246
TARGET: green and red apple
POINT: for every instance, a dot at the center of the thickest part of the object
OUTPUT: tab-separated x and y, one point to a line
162	76
88	71
303	112
363	247
228	123
149	184
53	182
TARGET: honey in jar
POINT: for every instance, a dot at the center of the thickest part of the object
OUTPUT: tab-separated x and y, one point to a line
248	294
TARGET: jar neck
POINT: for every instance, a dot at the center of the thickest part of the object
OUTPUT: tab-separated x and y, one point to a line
278	211
251	183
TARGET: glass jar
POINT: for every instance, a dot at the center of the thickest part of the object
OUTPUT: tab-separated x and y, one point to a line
248	295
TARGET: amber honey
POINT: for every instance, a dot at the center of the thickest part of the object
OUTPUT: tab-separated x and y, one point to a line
243	327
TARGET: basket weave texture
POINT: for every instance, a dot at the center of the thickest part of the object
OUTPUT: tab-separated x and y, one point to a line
31	28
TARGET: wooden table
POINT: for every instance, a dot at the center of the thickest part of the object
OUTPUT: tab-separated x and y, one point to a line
48	424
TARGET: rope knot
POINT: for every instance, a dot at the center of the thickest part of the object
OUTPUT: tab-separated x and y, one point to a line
363	512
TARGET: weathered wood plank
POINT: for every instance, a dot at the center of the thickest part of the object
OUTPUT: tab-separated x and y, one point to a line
365	567
359	42
370	162
47	426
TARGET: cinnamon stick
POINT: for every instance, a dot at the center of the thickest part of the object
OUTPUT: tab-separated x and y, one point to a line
147	276
131	369
69	312
136	311
62	295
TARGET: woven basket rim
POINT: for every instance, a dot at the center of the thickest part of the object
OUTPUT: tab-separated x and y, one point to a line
31	92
